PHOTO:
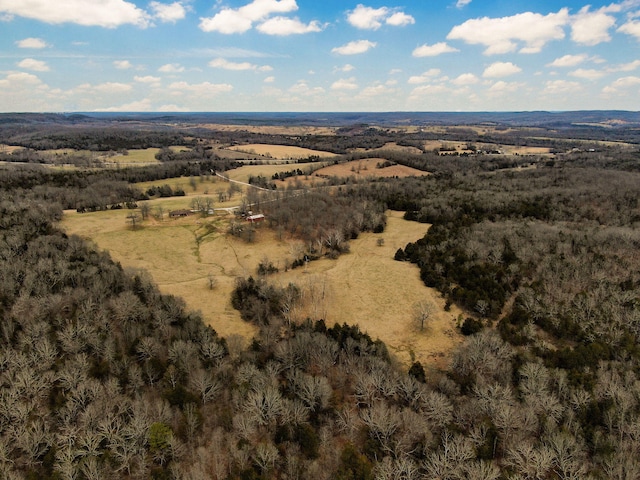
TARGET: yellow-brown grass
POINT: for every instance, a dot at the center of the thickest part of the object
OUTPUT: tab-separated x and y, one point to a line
242	174
281	151
367	168
365	287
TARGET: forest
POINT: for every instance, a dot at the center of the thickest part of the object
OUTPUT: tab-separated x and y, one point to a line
104	377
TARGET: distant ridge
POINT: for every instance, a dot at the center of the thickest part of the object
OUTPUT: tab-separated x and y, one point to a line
584	118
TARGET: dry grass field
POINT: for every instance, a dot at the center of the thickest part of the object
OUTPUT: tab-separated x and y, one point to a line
242	174
280	152
365	287
367	168
272	129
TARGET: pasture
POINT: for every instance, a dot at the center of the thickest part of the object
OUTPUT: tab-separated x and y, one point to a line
280	152
365	287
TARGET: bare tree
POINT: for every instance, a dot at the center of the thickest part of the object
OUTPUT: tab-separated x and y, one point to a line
422	312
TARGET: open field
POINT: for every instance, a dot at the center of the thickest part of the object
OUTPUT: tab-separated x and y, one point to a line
367	168
242	174
280	152
365	287
272	129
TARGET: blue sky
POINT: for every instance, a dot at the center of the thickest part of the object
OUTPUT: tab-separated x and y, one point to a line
313	55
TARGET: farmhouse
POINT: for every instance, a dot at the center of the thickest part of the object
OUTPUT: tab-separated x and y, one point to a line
180	213
257	218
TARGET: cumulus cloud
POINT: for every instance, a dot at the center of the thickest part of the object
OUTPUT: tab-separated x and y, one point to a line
35	43
400	19
345	68
204	89
368	18
345	84
107	87
35	65
556	87
284	26
632	27
465	79
591	28
425	77
105	13
433	50
302	88
239	20
500	69
621	85
21	91
502	87
148	79
588	74
376	91
354	48
270	79
144	105
171	68
626	67
429	90
237	66
122	64
568	61
462	3
531	31
168	13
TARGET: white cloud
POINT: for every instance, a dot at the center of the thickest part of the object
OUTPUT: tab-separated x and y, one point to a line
588	74
104	13
35	65
284	26
591	28
400	19
135	106
168	12
354	48
433	50
425	77
427	90
270	79
462	3
240	20
632	27
302	88
204	89
172	108
623	84
556	87
171	68
345	84
500	69
148	79
465	79
368	18
502	87
31	42
376	91
237	66
503	35
345	68
21	91
626	67
568	61
110	88
122	64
